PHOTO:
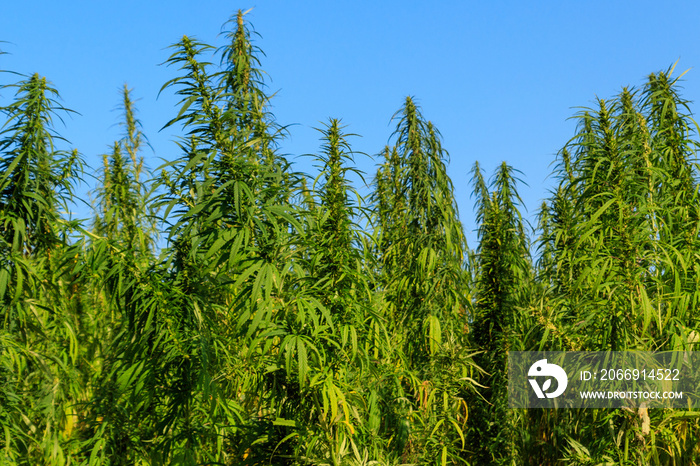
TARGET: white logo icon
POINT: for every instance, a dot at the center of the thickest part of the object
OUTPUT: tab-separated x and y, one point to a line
542	369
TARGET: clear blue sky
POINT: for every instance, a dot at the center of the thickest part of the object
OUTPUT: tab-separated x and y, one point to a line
499	79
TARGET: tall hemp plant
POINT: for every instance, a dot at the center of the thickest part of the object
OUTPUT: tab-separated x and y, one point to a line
41	369
120	266
227	357
336	394
422	253
501	291
620	242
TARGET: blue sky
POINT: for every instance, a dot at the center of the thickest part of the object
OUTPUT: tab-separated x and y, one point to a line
499	79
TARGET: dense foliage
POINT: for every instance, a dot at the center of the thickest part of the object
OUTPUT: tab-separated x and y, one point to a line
225	309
